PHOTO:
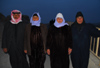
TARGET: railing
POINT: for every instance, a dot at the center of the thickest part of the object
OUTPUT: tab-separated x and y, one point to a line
95	46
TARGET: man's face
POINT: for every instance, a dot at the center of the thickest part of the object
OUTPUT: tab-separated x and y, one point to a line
35	18
59	20
16	16
79	20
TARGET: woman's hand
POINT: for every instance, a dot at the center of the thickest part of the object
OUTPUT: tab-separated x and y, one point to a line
69	51
48	51
5	50
25	51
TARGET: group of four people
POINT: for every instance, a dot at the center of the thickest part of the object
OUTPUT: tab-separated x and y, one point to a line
59	41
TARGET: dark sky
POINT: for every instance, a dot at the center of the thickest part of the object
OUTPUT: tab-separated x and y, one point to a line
49	8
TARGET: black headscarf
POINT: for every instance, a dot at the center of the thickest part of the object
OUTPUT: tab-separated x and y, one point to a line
79	26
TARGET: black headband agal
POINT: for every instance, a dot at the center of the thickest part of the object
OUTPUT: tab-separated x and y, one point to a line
16	12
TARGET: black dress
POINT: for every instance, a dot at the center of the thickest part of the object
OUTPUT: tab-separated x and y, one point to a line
58	41
81	34
37	56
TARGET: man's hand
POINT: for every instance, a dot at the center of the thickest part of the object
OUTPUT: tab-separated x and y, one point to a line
48	51
5	50
69	51
25	51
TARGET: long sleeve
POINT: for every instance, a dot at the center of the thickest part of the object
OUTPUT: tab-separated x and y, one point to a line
4	37
70	37
44	32
94	31
26	37
49	39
